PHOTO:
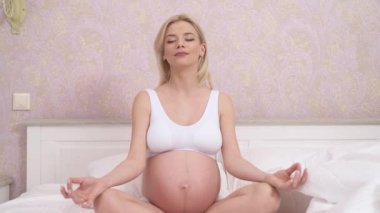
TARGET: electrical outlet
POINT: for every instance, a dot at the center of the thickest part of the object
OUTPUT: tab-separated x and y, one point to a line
21	101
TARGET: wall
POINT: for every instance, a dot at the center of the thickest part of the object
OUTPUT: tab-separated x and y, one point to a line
297	60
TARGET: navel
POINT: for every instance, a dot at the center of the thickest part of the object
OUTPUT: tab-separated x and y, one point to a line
185	186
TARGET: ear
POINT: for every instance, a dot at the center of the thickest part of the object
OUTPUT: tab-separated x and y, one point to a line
203	50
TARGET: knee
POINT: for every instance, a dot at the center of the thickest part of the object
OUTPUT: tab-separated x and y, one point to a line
270	196
104	200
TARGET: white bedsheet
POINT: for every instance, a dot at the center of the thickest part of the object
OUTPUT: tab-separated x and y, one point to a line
344	180
42	199
341	180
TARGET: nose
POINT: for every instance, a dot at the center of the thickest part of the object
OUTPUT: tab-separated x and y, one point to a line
180	44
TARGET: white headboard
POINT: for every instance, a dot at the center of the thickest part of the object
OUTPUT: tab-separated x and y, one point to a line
59	149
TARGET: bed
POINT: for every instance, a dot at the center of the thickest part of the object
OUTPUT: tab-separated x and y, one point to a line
343	161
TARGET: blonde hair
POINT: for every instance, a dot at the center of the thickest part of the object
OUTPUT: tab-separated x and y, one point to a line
203	74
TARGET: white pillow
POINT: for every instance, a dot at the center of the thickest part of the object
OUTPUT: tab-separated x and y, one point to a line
102	166
99	168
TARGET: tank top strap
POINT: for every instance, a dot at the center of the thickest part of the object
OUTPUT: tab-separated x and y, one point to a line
155	103
213	109
152	97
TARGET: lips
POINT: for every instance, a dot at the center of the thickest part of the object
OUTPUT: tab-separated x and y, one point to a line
181	54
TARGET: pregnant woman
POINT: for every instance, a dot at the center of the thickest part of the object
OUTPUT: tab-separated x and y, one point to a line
177	129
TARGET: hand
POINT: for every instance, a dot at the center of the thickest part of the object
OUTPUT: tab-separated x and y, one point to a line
290	178
85	195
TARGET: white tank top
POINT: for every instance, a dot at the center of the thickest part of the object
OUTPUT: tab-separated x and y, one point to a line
165	135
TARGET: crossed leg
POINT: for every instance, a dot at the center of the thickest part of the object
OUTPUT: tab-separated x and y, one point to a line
116	201
256	197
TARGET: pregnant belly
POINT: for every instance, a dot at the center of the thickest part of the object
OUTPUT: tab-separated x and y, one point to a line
181	181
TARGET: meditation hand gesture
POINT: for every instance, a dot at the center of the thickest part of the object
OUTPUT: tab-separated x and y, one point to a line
85	195
290	178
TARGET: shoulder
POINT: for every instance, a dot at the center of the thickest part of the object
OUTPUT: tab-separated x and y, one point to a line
142	95
142	99
224	98
225	102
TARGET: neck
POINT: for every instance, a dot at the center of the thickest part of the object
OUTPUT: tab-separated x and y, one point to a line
184	80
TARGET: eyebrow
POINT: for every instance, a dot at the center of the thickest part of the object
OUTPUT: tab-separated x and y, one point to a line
169	35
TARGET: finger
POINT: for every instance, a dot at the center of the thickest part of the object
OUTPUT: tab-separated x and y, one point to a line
292	168
64	193
77	199
296	178
282	184
69	186
83	205
286	185
90	201
304	176
77	180
74	198
87	204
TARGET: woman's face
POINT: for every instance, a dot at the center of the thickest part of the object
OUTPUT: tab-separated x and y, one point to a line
182	46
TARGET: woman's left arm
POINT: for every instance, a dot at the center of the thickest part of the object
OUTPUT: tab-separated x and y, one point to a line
239	167
233	161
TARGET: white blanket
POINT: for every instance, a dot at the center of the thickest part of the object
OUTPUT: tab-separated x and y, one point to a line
344	180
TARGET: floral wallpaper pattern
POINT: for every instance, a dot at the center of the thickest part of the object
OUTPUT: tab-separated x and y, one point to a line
288	59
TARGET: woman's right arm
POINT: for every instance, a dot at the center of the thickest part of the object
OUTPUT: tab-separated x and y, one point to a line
89	187
134	164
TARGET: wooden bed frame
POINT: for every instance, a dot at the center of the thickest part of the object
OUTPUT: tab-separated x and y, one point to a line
59	149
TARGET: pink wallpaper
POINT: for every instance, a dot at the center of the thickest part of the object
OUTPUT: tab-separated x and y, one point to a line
287	59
